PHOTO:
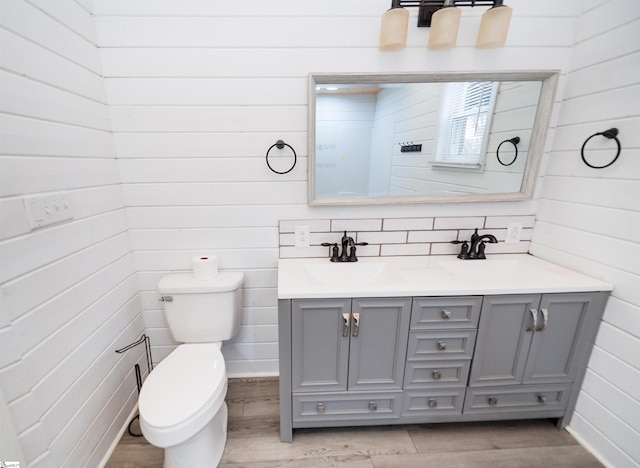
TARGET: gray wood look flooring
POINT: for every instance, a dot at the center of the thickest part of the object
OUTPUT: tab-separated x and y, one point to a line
254	441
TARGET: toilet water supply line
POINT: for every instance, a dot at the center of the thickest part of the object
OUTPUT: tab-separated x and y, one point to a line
147	348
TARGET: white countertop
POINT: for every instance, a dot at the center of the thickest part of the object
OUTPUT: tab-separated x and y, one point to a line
428	276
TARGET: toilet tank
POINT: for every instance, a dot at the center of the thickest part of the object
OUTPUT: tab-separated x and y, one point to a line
202	311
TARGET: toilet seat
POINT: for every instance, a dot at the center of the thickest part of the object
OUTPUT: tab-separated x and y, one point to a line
182	394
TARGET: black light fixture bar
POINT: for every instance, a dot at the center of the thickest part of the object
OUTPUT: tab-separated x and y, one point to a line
428	7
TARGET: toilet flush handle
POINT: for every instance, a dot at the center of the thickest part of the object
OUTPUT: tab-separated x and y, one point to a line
166	299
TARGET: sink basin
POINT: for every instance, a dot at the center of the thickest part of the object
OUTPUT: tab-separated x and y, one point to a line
355	274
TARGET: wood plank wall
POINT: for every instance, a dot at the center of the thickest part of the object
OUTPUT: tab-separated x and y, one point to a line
589	219
69	295
198	91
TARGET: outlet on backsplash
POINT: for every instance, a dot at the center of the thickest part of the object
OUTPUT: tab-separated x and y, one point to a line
301	235
514	233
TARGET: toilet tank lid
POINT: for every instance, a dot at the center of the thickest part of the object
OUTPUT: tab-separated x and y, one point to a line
187	283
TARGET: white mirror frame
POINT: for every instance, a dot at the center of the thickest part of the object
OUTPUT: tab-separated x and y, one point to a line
549	79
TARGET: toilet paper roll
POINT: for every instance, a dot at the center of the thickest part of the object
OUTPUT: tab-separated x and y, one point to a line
205	267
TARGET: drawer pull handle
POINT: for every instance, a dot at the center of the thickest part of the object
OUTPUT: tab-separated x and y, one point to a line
545	319
442	345
432	403
356	324
373	406
542	399
493	401
345	324
534	319
446	314
320	407
436	375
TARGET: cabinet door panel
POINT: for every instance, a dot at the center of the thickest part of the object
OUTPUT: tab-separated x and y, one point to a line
503	340
319	357
555	344
377	353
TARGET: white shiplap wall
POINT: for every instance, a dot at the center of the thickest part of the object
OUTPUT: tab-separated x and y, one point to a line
68	292
198	91
589	219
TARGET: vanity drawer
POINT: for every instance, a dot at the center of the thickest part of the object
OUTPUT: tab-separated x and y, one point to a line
346	407
445	344
426	402
517	399
428	374
428	313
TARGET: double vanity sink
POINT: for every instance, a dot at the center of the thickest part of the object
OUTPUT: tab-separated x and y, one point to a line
400	340
428	275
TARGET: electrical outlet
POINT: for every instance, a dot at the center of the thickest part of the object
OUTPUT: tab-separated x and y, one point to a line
514	233
301	235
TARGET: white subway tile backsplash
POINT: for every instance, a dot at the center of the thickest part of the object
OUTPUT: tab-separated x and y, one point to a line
432	236
356	225
407	224
404	249
404	236
459	223
396	237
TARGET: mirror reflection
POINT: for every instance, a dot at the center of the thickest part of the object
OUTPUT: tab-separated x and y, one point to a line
380	140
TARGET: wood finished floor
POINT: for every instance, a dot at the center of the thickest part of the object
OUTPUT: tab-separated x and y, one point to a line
254	441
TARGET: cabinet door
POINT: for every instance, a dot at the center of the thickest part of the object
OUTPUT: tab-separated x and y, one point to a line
320	344
378	343
556	344
504	337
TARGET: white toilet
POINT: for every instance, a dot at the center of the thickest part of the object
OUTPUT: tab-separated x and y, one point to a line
181	404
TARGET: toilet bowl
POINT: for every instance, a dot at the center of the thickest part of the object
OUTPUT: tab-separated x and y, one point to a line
182	407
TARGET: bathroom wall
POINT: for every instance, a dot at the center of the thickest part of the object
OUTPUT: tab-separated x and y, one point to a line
589	219
198	91
68	292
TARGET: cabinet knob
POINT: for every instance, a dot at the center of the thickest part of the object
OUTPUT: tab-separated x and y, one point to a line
542	399
442	345
320	407
446	314
493	401
436	375
432	403
373	406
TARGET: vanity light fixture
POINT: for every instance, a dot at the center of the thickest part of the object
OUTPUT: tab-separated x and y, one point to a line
443	17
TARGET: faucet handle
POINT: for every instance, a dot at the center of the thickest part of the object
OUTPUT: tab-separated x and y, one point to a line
334	250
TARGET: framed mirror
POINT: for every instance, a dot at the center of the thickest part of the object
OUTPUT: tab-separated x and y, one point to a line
426	137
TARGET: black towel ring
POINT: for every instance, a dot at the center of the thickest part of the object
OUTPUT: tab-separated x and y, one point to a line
514	141
281	144
612	133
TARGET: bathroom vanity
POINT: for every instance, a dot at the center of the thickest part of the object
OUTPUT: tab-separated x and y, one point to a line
397	340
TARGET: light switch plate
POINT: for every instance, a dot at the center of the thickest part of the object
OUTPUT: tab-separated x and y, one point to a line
43	210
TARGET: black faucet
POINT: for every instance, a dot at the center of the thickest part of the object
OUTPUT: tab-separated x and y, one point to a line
475	250
348	249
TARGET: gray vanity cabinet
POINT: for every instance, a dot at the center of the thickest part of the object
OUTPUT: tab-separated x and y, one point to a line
530	338
365	361
349	344
347	359
530	351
